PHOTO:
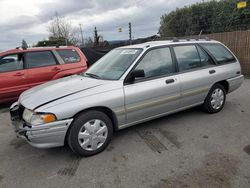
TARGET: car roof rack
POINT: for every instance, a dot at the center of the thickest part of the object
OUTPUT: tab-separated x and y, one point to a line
49	47
196	38
20	48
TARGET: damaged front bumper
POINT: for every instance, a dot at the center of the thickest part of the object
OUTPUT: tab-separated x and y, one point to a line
41	136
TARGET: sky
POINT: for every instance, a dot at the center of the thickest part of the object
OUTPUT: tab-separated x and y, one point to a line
29	19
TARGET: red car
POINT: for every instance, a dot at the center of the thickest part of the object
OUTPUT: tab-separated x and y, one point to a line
22	69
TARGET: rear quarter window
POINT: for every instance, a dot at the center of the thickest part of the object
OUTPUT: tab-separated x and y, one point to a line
219	52
69	56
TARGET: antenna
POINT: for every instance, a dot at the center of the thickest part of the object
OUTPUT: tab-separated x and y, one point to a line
200	34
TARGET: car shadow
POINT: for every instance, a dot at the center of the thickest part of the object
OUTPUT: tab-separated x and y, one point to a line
5	105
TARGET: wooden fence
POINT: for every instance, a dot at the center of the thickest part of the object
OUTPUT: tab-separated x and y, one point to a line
239	43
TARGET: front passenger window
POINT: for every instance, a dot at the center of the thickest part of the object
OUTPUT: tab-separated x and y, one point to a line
156	62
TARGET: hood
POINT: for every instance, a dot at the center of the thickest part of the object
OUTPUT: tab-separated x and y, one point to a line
57	89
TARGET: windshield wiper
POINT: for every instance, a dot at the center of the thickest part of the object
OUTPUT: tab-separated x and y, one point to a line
93	75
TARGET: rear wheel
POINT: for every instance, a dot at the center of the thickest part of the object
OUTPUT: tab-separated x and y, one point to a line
215	99
90	133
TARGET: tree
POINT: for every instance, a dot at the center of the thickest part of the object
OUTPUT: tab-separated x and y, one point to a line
62	31
208	17
88	42
96	37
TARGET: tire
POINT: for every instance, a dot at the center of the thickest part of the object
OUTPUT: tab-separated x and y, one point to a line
90	133
215	99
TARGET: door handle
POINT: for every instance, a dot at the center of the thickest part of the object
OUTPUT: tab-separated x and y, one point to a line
212	71
169	81
18	74
56	69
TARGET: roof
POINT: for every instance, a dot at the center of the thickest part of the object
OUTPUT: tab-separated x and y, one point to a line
167	42
20	50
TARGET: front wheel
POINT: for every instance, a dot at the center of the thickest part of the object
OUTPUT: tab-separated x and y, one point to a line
90	133
215	99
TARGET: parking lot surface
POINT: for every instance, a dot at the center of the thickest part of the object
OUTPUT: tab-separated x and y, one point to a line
187	149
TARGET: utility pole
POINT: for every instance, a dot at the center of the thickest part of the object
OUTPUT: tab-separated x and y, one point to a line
81	32
130	33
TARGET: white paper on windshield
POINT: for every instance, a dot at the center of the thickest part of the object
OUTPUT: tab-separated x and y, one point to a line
131	52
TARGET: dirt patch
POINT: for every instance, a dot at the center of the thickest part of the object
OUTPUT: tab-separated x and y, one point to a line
17	143
1	178
172	137
247	149
110	147
114	159
216	172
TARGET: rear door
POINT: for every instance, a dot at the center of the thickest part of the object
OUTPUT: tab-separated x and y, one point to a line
42	66
13	77
196	75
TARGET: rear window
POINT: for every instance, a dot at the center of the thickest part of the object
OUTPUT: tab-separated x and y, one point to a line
220	53
69	56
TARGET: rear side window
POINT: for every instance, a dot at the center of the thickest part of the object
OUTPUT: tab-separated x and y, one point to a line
187	57
12	62
39	59
205	59
69	56
191	57
220	53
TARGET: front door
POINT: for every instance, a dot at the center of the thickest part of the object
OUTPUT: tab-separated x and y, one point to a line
155	94
13	77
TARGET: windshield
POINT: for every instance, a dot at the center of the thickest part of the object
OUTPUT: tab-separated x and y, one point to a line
113	65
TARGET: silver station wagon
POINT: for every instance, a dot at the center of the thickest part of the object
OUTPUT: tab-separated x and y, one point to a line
129	85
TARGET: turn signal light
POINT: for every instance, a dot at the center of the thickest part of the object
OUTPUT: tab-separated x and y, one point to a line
48	118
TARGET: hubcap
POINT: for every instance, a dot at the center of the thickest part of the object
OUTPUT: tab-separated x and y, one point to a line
217	99
92	135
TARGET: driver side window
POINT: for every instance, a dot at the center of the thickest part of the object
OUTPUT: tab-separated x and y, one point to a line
156	62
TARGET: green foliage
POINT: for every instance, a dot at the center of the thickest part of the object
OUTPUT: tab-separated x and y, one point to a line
208	17
53	41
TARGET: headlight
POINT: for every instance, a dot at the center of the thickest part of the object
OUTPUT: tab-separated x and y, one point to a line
37	118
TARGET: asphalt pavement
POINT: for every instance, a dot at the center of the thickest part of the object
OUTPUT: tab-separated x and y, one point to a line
187	149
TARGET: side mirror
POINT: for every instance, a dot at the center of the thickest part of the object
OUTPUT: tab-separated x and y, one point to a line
135	74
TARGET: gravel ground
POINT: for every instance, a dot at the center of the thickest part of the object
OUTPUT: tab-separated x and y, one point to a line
187	149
